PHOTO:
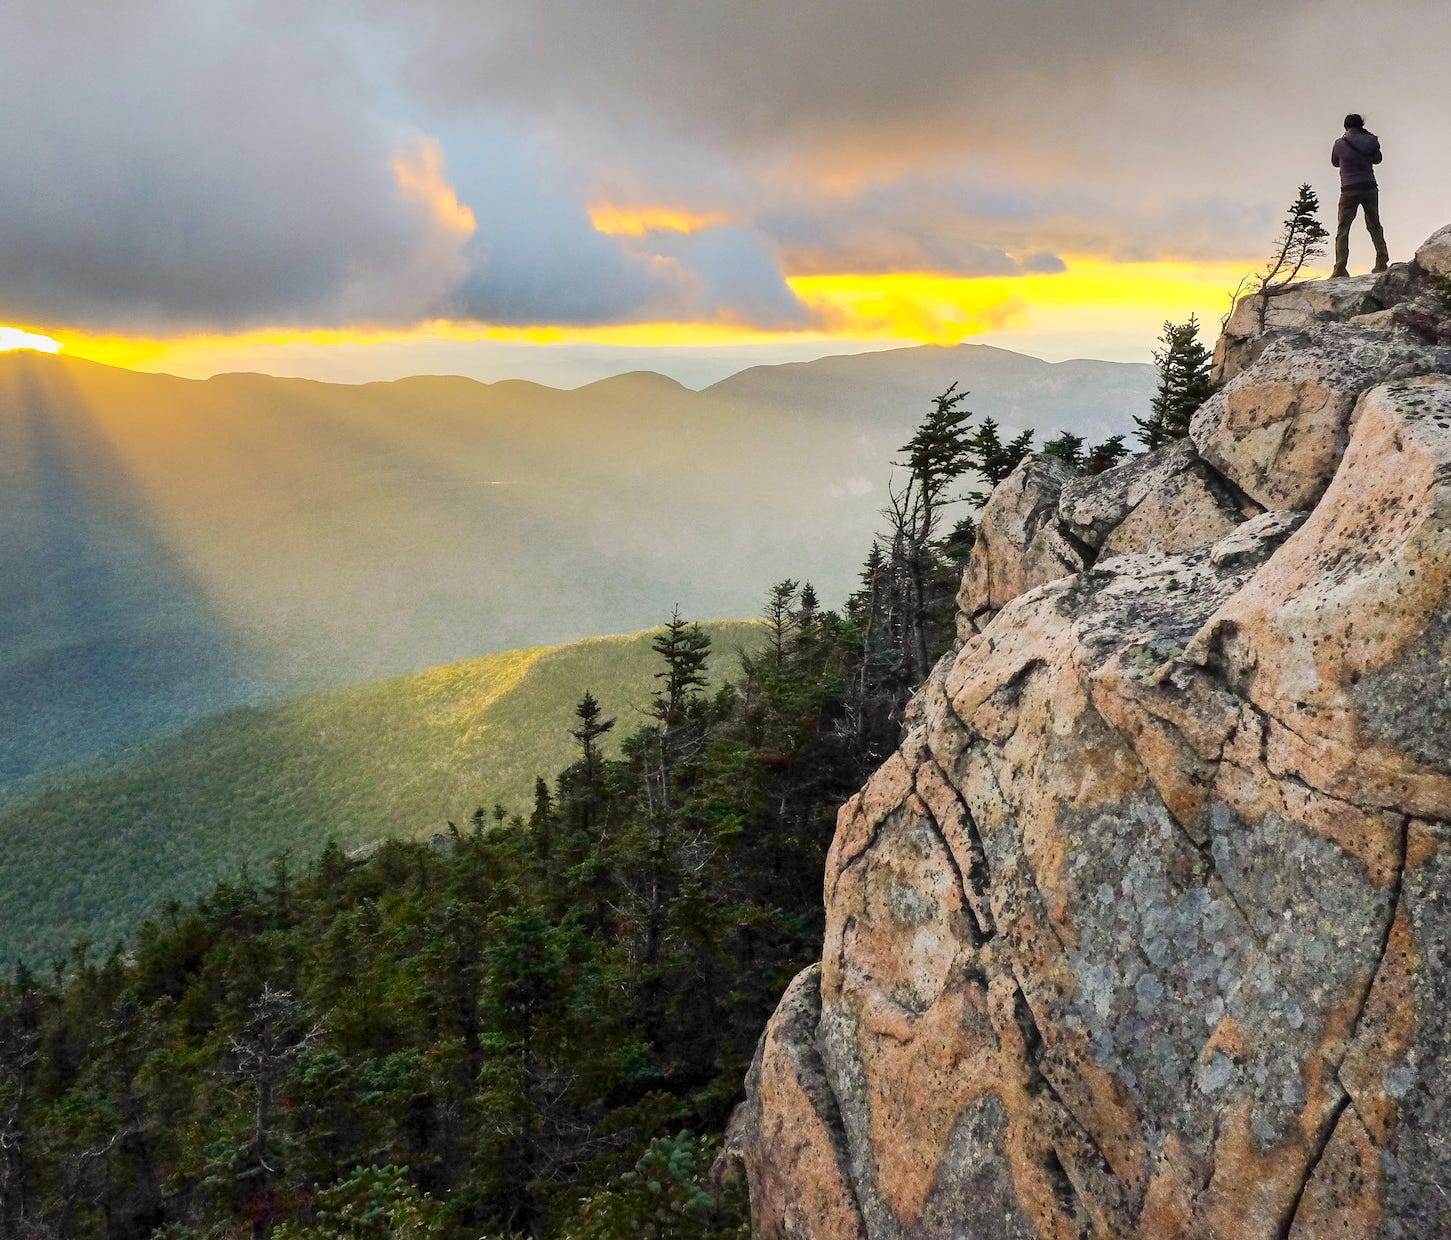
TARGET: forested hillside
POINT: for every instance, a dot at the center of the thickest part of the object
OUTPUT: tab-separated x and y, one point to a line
535	1025
531	1026
482	1035
90	850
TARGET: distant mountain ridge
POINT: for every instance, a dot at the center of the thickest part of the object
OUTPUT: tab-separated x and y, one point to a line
175	547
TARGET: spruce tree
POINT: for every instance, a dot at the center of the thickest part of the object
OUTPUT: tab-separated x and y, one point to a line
779	617
992	459
1066	447
685	647
1184	385
1105	455
937	455
590	729
1301	240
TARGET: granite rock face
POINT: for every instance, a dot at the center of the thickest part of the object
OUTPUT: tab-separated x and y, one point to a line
1279	428
1046	521
1166	501
1145	930
1021	542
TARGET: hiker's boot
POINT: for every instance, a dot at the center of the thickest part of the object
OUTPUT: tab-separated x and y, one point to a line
1382	261
1342	251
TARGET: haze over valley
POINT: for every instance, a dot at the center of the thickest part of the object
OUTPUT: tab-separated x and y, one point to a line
177	547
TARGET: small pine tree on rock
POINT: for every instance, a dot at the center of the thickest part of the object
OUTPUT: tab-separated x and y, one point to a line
1301	241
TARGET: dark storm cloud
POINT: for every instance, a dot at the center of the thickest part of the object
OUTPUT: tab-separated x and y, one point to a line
174	166
817	76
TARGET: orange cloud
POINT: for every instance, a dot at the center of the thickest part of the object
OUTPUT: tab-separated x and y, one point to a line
617	221
421	180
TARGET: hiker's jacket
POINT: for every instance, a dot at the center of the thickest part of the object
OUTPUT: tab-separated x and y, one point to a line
1353	155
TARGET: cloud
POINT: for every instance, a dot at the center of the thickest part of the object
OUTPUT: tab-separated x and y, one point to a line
175	166
735	277
918	224
171	164
539	257
1128	127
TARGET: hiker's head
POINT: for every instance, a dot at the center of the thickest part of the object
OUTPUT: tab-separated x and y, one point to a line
1355	121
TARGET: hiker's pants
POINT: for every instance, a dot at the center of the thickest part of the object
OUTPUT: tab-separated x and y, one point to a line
1367	196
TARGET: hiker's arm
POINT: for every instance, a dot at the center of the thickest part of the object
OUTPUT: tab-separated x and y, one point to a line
1335	156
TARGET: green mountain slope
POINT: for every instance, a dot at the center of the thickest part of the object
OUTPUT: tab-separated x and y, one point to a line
91	849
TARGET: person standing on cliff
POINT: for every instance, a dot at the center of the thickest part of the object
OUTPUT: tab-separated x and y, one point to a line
1355	153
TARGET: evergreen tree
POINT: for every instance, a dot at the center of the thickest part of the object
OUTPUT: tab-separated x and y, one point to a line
685	647
1300	242
1105	455
591	728
992	459
937	456
956	545
1066	447
779	618
807	610
1184	385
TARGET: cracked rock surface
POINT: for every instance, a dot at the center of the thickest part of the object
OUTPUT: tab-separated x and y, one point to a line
1145	930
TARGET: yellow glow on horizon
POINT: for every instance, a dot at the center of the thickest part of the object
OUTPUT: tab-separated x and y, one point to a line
618	221
19	338
211	354
944	309
1093	297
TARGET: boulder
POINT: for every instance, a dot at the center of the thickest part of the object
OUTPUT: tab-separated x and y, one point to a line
1166	500
1427	316
1294	307
1020	544
1344	640
1145	931
1279	428
1434	256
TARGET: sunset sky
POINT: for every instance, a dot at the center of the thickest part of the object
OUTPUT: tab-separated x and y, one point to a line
557	190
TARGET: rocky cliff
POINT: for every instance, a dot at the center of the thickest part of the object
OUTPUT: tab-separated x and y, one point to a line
1145	931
